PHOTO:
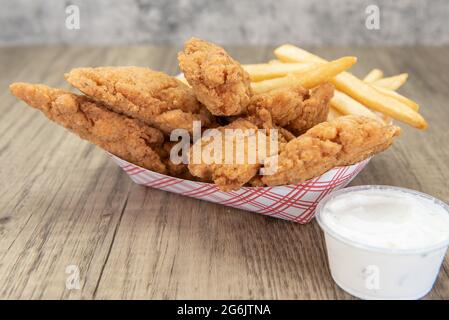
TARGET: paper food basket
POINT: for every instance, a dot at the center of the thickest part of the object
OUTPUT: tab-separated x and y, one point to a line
296	202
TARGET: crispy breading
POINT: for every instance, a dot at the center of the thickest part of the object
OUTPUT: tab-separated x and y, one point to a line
178	170
256	181
343	141
314	110
294	107
230	176
261	117
127	138
219	82
178	119
141	93
285	104
286	135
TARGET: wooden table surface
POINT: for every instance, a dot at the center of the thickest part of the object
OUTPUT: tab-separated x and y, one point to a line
63	202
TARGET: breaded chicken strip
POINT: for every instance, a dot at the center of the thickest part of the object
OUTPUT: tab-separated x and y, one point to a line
294	107
229	175
141	93
256	181
219	82
127	138
178	119
314	110
262	118
343	141
179	170
285	104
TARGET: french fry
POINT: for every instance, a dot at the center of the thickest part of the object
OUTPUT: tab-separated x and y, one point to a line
267	85
387	87
325	72
392	83
341	101
357	89
372	98
346	105
313	76
264	71
393	94
373	75
343	104
395	82
333	114
291	53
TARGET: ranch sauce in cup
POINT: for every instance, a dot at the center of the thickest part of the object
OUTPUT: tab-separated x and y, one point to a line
384	242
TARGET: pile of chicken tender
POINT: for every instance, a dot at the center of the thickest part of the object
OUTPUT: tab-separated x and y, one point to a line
131	111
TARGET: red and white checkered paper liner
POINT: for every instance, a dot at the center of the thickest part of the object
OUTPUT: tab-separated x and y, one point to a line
296	202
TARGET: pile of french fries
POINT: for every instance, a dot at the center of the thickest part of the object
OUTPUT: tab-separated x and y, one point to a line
374	96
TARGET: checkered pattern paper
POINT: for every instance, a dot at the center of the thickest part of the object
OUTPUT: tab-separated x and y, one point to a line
296	202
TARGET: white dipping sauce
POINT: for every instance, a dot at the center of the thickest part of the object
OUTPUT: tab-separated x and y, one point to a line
384	242
392	219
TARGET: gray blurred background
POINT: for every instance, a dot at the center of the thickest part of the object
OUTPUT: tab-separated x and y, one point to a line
263	22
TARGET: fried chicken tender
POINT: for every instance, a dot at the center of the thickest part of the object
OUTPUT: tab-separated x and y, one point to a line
141	93
284	104
262	118
219	82
229	175
286	135
127	138
178	170
314	109
294	107
178	119
256	181
343	141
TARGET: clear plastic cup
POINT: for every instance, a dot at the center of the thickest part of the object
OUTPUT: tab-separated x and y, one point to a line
369	272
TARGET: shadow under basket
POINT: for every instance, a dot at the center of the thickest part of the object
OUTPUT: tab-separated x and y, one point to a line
295	202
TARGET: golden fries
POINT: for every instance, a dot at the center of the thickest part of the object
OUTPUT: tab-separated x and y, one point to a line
267	85
357	89
333	114
412	104
313	76
346	106
387	86
372	98
264	71
341	101
373	75
392	83
290	53
342	104
324	72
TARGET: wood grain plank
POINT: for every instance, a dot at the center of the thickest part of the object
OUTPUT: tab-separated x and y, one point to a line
182	248
61	197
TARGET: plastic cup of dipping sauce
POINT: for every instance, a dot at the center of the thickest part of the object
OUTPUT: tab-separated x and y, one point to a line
384	242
